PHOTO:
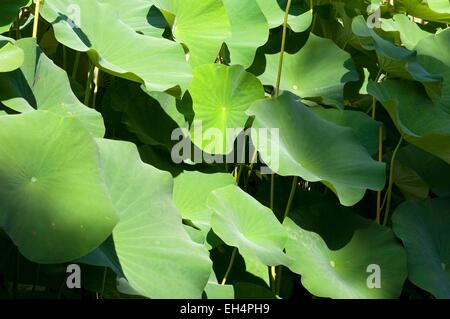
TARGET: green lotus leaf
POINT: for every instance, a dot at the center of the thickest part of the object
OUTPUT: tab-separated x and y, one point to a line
422	10
275	16
249	30
241	221
231	91
392	58
53	203
340	162
190	192
157	256
432	170
423	228
214	290
317	72
9	12
203	26
441	6
432	54
417	119
365	128
410	33
125	58
409	182
346	273
40	84
11	56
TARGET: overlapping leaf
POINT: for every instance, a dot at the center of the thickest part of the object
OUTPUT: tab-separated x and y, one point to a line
340	161
86	33
157	256
419	121
317	72
275	16
241	221
203	26
11	56
190	192
40	84
346	273
249	30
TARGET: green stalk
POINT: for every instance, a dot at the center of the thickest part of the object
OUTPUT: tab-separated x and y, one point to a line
391	181
277	93
36	18
283	44
277	88
230	266
291	197
286	213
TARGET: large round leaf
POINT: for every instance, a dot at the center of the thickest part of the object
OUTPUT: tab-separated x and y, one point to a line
203	26
88	33
156	254
40	84
221	95
249	30
423	228
317	72
53	202
314	149
241	221
345	273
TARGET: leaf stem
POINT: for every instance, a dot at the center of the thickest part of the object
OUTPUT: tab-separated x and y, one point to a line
273	273
283	45
230	266
36	17
291	197
391	180
380	159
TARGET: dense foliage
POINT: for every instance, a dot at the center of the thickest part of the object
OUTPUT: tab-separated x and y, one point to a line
348	102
